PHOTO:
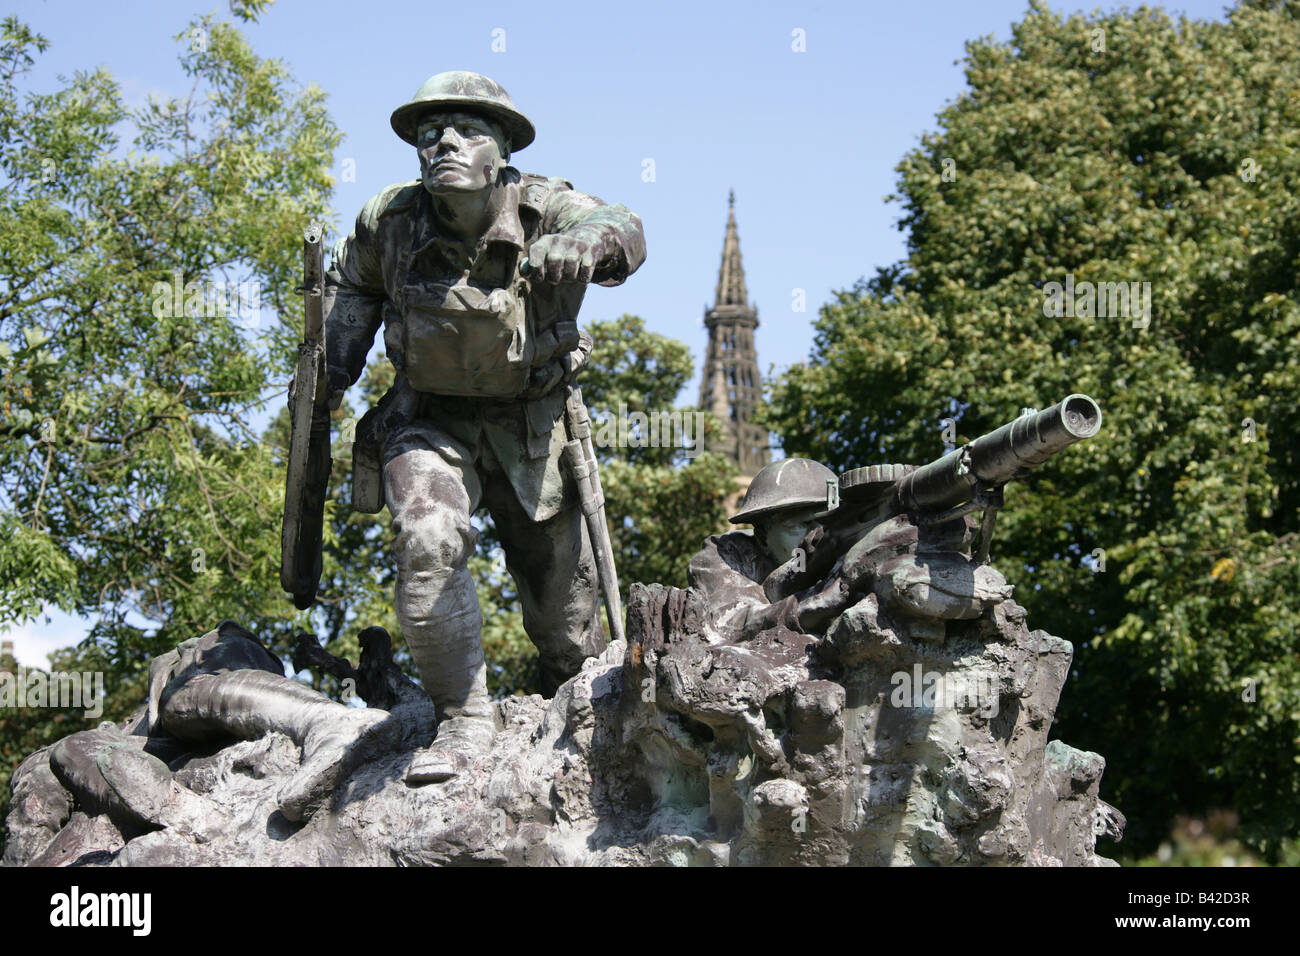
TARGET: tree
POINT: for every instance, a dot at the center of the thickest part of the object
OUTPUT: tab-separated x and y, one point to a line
1122	148
146	311
663	499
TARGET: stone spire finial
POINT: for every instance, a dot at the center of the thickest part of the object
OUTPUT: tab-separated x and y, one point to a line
731	275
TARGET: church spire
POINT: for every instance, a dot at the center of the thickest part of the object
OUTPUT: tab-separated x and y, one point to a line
731	276
730	385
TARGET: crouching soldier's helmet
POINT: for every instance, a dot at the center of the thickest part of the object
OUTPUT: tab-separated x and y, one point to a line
786	485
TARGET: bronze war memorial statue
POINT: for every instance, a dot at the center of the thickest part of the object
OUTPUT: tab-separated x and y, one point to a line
475	274
849	681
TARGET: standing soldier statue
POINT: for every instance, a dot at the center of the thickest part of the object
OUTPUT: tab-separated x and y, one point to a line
476	273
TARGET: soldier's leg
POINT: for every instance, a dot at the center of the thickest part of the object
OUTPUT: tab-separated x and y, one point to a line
248	703
243	703
553	568
432	490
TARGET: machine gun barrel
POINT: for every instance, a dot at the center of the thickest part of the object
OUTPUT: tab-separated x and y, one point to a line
992	460
967	479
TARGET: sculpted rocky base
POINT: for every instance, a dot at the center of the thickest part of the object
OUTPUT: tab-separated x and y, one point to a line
668	749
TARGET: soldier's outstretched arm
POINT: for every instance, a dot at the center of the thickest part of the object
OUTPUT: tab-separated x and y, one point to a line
613	232
354	300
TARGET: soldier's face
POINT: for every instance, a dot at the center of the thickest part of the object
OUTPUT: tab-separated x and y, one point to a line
459	152
785	529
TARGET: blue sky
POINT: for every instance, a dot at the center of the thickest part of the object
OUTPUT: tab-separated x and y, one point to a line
714	94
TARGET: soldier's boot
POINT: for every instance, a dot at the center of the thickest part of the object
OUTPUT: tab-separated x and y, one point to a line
439	613
143	786
461	741
110	773
333	737
334	746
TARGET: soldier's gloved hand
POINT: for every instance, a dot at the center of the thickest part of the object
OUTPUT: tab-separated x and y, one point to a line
811	561
817	610
822	548
568	256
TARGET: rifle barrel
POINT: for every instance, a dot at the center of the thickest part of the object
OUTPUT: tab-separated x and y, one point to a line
313	281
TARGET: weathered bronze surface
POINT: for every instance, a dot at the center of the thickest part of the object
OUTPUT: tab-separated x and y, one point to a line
476	273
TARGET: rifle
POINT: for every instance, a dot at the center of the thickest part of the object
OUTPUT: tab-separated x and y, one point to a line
967	479
308	473
580	457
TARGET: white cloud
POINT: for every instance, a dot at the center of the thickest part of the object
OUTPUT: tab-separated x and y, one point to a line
35	641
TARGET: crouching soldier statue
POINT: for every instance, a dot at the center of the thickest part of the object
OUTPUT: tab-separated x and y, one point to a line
802	567
783	503
476	272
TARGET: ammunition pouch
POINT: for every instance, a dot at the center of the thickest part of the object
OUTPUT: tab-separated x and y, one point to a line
464	340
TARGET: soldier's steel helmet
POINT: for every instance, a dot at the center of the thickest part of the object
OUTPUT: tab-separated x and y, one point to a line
471	92
784	485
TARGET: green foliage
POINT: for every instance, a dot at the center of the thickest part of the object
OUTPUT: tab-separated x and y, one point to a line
1169	155
1212	842
132	490
661	504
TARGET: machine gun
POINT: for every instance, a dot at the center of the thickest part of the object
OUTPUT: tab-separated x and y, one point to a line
967	479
